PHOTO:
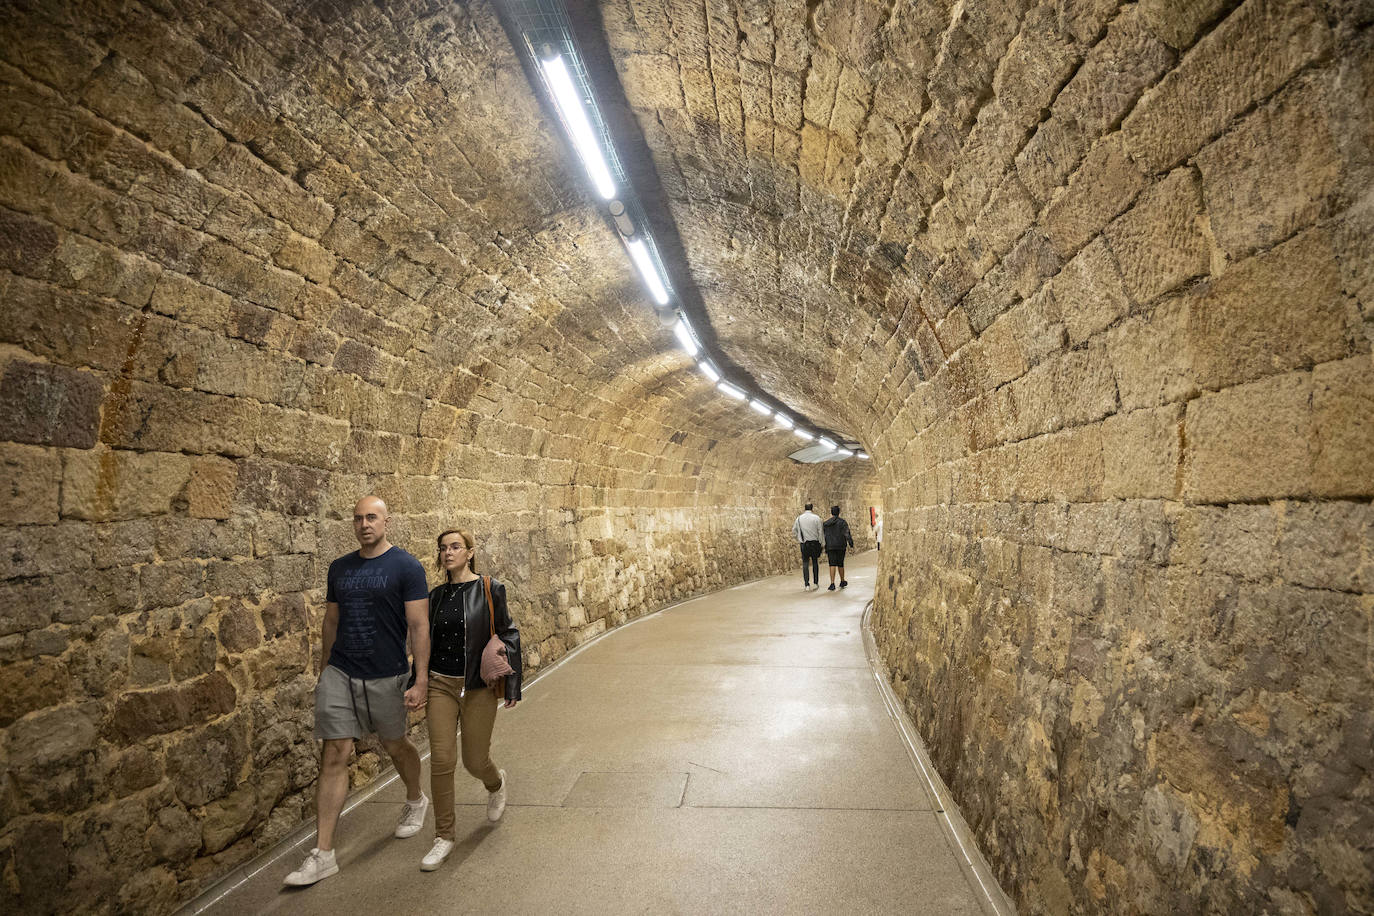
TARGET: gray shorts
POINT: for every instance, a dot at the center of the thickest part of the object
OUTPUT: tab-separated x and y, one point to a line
350	707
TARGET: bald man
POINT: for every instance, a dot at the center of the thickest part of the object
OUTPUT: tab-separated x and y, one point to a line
376	596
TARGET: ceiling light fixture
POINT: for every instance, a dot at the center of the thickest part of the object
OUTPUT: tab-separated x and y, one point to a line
731	391
684	336
623	224
570	93
862	456
639	253
569	102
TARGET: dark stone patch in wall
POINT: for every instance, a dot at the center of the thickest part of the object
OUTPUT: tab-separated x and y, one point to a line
25	243
40	864
154	712
273	487
50	405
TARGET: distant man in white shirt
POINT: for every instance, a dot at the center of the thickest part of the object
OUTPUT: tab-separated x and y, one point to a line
807	529
878	532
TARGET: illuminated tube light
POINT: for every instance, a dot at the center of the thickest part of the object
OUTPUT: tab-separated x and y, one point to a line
827	443
639	253
862	456
709	371
783	420
846	452
569	102
761	408
684	336
731	391
803	434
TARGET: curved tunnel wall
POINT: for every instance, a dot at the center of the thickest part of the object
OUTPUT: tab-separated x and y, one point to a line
1089	280
1094	281
258	262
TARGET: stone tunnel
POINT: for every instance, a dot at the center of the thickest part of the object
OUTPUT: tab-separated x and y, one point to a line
1088	283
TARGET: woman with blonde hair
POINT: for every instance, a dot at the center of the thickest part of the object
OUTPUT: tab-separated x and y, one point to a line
466	611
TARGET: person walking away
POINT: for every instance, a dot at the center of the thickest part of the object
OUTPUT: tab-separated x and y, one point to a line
375	598
878	533
466	610
807	529
836	537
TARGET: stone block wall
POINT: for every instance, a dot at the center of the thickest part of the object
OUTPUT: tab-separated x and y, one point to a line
1090	280
1094	279
256	262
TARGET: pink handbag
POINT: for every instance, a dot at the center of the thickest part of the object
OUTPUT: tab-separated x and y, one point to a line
495	666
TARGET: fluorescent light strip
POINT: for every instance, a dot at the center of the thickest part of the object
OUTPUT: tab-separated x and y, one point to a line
684	336
862	456
731	391
571	106
569	102
827	443
639	253
846	452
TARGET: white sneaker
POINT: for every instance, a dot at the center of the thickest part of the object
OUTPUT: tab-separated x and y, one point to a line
316	867
436	856
496	801
412	817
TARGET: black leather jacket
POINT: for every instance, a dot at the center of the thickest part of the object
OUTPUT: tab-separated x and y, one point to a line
476	633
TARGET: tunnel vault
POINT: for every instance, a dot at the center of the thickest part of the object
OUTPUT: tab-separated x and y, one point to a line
1089	280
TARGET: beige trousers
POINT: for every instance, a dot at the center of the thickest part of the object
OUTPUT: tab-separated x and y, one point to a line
447	706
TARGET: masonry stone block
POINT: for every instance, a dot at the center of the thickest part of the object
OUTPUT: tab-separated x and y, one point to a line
1160	242
1343	419
1274	172
1267	428
1252	52
1141	454
1281	310
50	405
1104	185
105	484
1088	293
32	488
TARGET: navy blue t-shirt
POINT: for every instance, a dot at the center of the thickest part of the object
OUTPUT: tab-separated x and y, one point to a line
371	594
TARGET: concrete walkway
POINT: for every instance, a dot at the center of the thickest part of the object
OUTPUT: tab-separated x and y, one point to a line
729	754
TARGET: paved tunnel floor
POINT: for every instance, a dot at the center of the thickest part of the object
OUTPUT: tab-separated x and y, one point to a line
731	753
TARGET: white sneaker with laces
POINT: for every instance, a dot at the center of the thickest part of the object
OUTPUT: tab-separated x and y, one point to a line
412	817
316	867
496	801
436	856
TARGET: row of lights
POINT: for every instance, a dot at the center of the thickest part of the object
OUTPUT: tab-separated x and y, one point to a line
570	106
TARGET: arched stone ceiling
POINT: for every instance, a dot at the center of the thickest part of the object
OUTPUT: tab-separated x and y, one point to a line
1090	280
259	259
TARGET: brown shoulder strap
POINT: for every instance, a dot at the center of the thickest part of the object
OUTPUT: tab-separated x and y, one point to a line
491	608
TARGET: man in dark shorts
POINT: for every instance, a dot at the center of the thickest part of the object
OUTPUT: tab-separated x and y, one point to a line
836	537
376	596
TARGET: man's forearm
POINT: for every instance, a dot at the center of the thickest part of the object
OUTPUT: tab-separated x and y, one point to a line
327	644
419	648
